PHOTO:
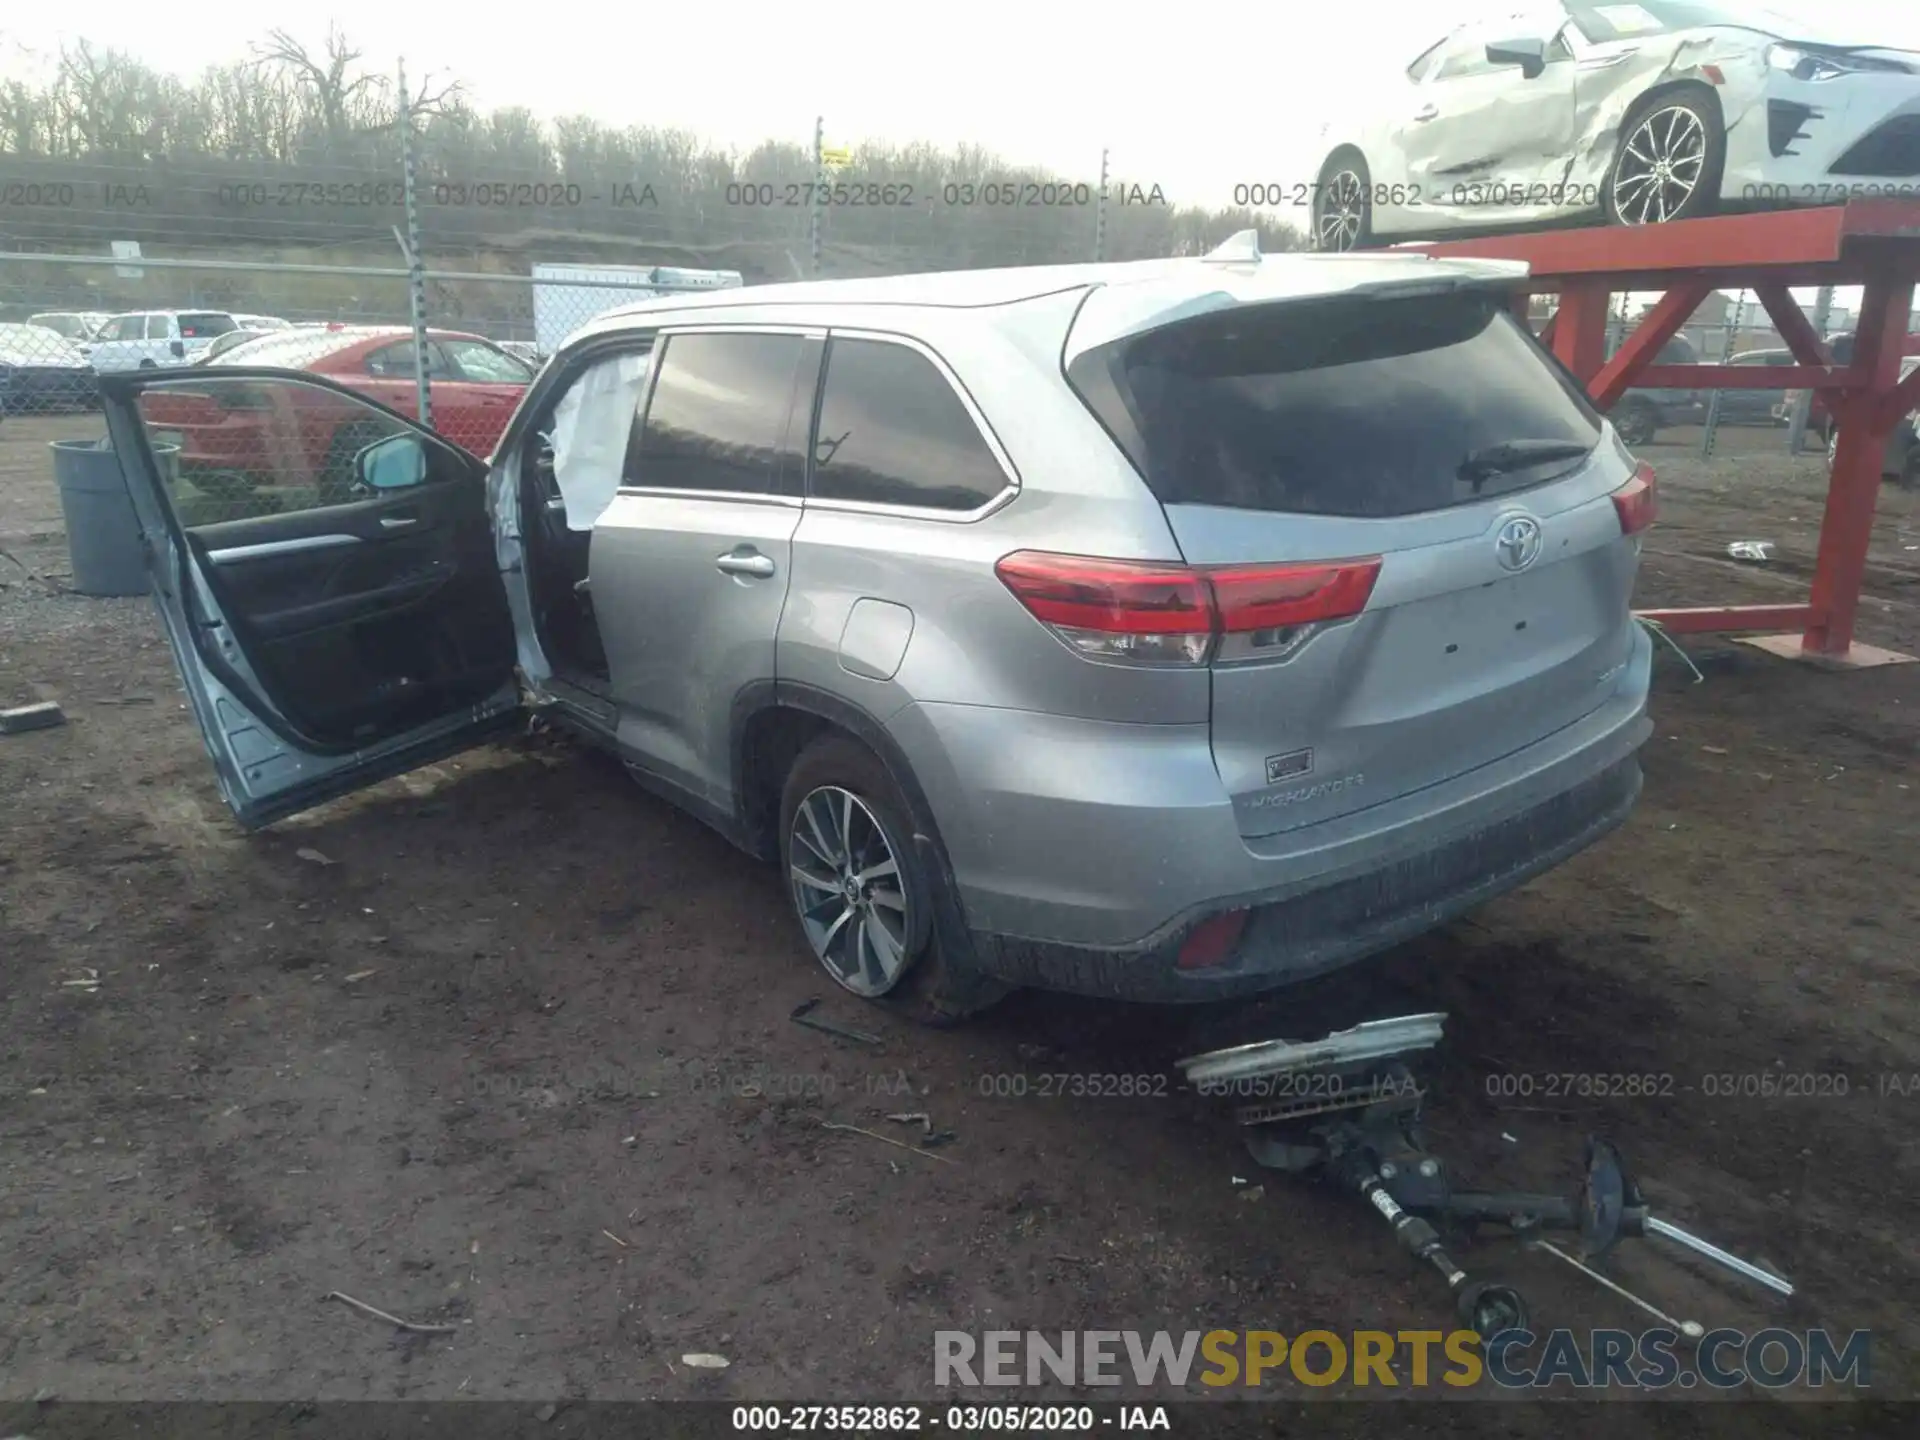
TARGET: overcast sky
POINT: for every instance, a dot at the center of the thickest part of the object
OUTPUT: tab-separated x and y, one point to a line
1195	98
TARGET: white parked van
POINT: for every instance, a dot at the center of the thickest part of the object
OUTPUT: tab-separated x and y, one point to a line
155	339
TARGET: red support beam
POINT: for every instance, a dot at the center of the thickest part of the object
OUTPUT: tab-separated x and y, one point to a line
1794	326
1718	619
1580	337
1846	530
1670	312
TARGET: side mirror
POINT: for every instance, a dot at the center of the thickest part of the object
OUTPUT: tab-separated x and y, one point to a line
395	463
1529	55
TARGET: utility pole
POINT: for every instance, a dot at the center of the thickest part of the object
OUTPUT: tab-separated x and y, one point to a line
1100	214
819	183
410	248
1803	407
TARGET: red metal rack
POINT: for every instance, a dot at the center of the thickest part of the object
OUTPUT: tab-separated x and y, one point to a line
1874	244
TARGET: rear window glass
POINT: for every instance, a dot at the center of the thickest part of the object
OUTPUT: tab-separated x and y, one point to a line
1356	407
201	327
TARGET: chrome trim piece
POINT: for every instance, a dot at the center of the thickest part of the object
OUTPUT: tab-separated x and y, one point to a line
731	497
850	507
742	327
1369	1040
233	554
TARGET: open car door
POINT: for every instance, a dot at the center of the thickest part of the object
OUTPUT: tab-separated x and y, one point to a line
327	575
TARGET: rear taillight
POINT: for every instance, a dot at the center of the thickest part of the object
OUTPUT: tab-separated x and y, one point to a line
1636	501
1152	613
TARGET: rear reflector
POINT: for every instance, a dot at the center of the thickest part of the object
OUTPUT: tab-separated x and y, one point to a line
1158	613
1212	941
1636	501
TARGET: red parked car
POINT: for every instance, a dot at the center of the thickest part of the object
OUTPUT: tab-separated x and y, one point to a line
474	387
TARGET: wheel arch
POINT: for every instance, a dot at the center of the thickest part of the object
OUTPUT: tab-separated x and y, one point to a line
772	722
1341	151
1665	89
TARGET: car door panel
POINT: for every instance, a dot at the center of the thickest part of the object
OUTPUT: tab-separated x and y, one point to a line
1487	146
327	636
689	587
682	632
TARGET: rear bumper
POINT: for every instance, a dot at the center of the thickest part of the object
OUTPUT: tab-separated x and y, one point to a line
1084	853
1287	941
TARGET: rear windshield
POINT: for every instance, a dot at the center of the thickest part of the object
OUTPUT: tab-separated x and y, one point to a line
1348	406
199	327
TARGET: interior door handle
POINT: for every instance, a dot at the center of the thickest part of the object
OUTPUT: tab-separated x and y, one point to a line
398	522
1427	112
735	563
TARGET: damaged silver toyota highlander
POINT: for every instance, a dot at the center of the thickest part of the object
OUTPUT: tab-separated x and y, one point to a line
1169	630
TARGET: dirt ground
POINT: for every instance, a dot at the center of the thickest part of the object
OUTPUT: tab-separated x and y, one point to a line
514	1053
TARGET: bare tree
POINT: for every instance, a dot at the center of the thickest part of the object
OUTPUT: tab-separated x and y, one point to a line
337	96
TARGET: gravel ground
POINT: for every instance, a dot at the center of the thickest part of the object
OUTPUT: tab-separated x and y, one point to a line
518	1058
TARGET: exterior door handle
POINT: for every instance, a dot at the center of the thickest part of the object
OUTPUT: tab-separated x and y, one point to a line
1426	113
749	563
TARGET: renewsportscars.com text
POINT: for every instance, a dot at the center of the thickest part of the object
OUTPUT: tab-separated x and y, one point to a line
1653	1359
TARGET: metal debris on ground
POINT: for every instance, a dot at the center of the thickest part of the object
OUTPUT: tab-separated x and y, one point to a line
393	1320
884	1140
88	979
706	1362
802	1015
312	855
1758	550
1364	1132
917	1117
41	716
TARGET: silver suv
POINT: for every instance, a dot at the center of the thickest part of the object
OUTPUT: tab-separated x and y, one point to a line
1170	630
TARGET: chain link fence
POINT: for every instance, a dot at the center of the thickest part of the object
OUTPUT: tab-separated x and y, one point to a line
436	268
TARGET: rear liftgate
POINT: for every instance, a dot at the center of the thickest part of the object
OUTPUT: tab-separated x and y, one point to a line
1348	1109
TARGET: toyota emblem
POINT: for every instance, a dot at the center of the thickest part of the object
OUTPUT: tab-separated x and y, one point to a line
1518	542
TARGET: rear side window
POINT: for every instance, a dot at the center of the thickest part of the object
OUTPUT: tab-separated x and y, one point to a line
205	326
718	414
893	431
1347	406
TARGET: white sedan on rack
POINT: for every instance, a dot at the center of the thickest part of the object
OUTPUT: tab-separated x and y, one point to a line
1635	114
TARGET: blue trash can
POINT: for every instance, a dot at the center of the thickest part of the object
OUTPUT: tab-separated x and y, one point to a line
103	536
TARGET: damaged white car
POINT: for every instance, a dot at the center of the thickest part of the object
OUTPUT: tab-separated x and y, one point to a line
1637	114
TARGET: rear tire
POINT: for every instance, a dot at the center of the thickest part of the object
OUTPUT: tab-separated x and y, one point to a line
1342	210
842	816
1672	152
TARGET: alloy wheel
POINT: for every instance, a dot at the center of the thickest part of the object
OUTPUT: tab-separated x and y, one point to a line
1660	167
1343	212
848	890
